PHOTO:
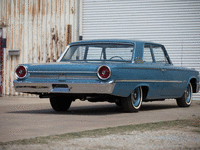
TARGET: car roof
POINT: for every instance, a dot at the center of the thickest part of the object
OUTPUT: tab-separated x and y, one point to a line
113	41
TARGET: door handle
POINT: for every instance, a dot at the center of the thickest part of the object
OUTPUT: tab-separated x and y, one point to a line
163	70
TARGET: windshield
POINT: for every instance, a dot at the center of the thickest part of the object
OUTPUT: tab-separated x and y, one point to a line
99	52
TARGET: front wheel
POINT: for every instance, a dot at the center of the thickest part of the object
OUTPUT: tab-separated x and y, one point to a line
186	99
134	101
60	103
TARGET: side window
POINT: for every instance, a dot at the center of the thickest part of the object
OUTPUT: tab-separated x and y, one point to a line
125	53
159	55
79	54
147	57
94	53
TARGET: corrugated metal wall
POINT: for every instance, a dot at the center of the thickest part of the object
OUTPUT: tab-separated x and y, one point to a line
40	29
176	24
1	62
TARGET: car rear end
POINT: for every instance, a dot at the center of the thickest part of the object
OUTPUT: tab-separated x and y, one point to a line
66	78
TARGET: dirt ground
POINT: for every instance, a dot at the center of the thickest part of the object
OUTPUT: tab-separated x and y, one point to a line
173	138
24	118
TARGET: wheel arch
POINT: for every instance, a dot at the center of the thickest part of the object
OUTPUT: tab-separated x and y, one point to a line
193	82
145	90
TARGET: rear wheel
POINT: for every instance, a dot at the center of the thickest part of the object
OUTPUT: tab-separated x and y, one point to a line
134	101
186	99
60	103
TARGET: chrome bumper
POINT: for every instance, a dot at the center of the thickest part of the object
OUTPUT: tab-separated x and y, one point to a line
101	88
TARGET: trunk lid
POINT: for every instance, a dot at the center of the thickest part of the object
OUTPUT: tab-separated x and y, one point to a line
68	70
69	66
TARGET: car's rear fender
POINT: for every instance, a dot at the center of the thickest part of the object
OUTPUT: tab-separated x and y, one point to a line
124	89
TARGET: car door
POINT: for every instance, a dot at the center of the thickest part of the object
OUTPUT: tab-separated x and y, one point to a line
154	75
170	80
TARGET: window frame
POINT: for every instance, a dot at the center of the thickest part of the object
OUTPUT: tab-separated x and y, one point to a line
167	60
87	45
152	55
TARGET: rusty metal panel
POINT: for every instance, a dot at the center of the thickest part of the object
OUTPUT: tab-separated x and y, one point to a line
34	32
39	45
21	30
12	44
53	32
48	31
3	17
40	29
1	63
43	37
2	12
30	31
8	46
62	26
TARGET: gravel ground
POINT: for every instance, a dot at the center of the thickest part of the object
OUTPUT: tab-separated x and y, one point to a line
145	140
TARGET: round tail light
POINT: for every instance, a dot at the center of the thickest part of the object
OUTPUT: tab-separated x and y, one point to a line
104	72
21	71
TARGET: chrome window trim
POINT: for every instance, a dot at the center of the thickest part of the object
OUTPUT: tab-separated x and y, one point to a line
79	44
62	55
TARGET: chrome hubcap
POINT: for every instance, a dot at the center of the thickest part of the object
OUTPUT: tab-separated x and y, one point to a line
188	94
136	97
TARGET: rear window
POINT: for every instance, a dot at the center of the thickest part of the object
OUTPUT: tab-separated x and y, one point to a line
99	52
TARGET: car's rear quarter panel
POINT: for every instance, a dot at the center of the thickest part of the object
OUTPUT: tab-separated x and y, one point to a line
170	83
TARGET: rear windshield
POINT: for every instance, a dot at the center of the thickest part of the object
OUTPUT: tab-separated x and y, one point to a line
99	52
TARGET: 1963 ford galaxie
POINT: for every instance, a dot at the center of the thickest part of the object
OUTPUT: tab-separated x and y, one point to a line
121	71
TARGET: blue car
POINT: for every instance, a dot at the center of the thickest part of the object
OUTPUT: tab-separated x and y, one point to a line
124	72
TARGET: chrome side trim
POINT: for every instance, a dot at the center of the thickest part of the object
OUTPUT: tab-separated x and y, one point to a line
62	76
88	72
166	81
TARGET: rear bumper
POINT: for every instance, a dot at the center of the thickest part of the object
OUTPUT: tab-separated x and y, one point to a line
45	87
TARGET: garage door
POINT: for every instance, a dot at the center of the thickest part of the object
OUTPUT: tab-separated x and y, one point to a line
176	24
